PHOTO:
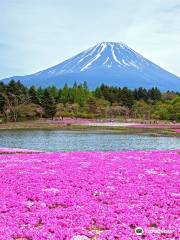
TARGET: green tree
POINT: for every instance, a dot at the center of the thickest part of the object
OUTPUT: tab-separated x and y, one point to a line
176	108
154	94
64	97
91	105
16	88
141	109
163	110
33	94
29	111
117	111
140	94
60	110
48	104
127	97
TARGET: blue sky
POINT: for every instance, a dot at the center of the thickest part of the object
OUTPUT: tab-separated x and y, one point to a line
37	34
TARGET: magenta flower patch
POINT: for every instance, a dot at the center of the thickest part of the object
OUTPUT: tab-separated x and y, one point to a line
156	126
82	196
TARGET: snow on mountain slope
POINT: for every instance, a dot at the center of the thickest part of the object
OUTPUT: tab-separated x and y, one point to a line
108	55
108	62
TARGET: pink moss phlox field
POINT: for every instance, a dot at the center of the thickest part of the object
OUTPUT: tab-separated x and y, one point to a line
81	196
74	121
160	126
177	130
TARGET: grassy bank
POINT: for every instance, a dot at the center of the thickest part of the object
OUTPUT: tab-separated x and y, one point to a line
37	125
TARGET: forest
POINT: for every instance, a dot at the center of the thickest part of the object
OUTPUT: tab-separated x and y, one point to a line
20	103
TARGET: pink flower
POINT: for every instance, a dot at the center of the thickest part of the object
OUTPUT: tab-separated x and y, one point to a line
88	195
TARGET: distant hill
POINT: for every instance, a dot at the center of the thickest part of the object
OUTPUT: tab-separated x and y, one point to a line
110	63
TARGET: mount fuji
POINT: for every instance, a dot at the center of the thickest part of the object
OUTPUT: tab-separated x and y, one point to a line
110	63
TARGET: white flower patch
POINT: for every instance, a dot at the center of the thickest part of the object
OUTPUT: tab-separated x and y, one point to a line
111	187
175	194
151	171
29	203
80	237
53	190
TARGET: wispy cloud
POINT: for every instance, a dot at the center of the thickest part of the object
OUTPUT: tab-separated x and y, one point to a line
173	8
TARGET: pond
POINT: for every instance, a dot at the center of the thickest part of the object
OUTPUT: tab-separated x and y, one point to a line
84	141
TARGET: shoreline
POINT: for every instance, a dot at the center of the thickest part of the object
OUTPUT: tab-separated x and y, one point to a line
127	128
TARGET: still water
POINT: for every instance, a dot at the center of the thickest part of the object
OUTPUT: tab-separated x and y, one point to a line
84	141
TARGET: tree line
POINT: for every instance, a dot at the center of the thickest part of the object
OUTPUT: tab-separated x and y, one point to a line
19	103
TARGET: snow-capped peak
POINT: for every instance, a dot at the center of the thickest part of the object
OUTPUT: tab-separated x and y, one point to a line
107	62
98	55
103	55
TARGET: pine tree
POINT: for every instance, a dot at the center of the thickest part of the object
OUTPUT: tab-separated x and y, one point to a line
16	88
92	107
48	104
127	97
34	95
154	94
